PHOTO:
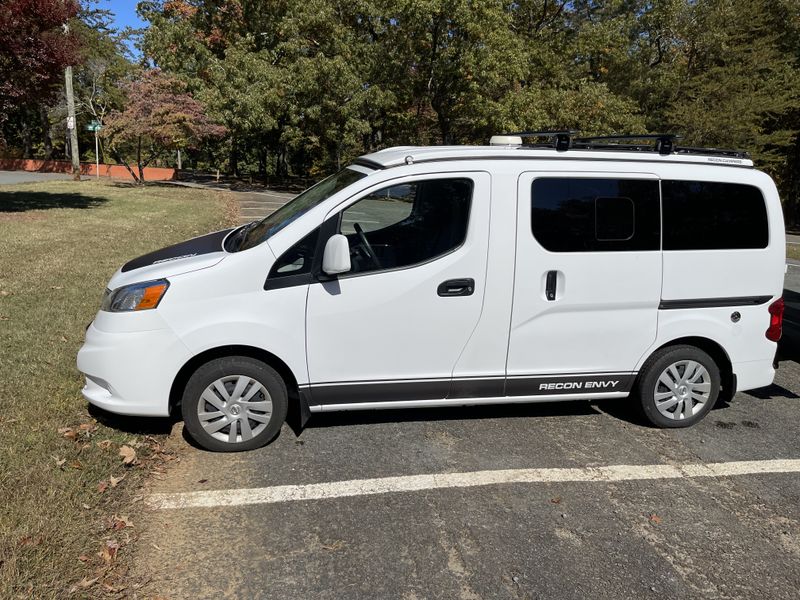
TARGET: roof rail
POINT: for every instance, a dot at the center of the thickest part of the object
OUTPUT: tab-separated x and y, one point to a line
665	142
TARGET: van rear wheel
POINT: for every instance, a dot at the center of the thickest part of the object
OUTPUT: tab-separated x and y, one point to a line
234	403
678	386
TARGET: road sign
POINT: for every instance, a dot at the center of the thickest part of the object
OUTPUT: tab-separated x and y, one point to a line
94	126
70	123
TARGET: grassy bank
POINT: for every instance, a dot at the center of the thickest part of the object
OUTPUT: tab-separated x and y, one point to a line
64	481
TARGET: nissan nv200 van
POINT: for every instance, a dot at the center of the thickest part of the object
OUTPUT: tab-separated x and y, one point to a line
585	268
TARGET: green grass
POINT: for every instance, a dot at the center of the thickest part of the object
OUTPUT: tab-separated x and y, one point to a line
59	244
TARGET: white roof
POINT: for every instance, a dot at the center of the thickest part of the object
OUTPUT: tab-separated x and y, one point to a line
401	155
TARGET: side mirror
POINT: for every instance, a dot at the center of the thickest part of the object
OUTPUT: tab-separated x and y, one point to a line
336	258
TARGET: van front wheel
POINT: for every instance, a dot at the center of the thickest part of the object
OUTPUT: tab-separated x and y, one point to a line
234	403
678	386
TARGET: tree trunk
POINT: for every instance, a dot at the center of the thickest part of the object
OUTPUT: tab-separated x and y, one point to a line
139	160
47	138
234	157
25	134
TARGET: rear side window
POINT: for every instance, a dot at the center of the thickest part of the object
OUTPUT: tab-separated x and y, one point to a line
703	215
595	215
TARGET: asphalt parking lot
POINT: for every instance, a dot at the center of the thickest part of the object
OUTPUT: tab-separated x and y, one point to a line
29	176
676	515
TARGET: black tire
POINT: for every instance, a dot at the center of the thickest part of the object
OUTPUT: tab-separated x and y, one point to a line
233	367
648	384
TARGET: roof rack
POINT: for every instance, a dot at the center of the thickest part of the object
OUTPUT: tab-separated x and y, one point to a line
563	138
665	143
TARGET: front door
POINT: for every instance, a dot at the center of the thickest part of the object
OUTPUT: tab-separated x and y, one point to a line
393	328
587	282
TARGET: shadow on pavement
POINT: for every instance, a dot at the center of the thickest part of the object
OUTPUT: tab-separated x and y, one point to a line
135	425
24	201
452	413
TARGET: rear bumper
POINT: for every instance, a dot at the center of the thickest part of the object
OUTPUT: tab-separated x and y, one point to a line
753	374
131	373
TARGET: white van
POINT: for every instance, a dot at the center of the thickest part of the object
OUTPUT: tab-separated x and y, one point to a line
449	276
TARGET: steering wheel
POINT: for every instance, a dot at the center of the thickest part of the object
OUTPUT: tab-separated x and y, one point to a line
367	246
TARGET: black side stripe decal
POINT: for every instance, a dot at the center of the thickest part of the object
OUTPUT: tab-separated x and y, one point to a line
713	302
489	387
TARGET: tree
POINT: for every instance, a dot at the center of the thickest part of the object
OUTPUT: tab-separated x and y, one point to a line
34	49
159	116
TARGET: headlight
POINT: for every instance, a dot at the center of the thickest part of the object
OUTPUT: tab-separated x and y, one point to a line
137	296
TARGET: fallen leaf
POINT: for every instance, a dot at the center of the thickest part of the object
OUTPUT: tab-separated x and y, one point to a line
556	500
87	426
105	444
63	339
109	550
4	293
114	481
654	518
118	523
83	558
75	464
86	506
4	318
59	461
202	481
83	584
56	287
102	486
128	455
69	433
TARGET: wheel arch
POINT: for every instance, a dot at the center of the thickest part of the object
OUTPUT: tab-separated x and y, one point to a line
715	351
185	372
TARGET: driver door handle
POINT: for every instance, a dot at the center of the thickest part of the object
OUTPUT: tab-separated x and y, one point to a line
456	287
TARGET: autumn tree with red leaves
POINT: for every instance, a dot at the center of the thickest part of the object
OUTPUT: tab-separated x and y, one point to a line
34	49
160	116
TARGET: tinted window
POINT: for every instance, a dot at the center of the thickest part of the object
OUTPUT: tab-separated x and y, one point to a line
701	215
407	224
595	215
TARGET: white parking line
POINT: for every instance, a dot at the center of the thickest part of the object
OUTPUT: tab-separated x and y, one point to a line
413	483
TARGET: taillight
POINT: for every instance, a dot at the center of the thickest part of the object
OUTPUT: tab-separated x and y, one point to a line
775	320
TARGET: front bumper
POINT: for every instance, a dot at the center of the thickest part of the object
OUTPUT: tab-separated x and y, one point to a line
131	372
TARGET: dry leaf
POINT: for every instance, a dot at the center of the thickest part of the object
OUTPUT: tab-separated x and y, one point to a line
63	339
83	584
59	461
105	444
654	518
4	293
114	481
556	500
87	426
101	487
118	523
83	558
128	455
68	432
109	551
75	464
86	506
56	287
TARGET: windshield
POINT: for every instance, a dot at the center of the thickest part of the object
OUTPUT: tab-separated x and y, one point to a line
320	192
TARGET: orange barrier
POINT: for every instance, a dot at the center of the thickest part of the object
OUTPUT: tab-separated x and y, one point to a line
89	169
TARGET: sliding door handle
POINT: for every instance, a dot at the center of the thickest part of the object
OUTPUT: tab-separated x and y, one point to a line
550	286
456	287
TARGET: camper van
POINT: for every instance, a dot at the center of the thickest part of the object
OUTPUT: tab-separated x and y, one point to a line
523	271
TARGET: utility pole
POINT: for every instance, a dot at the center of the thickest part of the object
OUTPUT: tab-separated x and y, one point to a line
71	124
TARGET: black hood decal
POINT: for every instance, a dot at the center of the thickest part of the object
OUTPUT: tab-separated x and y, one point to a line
205	244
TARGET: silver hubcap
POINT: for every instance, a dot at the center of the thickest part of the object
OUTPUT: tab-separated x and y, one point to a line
235	409
682	389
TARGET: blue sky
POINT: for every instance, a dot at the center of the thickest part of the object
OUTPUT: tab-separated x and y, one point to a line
124	11
124	16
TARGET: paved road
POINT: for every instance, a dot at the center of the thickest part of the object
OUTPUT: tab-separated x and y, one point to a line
678	537
29	177
257	205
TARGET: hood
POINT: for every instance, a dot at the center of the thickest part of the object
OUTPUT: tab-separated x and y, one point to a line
191	255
